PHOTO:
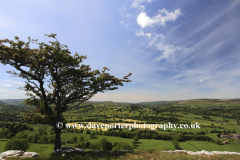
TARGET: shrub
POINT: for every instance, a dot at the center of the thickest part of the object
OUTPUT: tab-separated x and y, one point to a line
219	142
74	139
63	142
123	146
176	144
81	138
35	138
87	144
80	145
151	150
51	139
105	144
95	146
29	138
115	144
17	144
93	135
43	139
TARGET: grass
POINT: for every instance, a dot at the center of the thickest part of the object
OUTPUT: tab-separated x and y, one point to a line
138	155
208	146
42	149
145	144
2	145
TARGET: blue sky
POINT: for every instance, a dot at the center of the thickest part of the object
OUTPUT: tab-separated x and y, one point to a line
176	50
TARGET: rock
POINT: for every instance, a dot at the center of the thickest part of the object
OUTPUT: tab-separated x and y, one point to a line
30	154
17	153
203	152
11	153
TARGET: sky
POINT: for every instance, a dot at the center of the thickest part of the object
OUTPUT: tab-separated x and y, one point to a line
175	50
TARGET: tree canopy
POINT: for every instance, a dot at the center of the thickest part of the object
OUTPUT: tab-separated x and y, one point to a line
54	78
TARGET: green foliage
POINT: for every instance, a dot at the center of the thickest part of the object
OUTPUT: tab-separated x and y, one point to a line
29	138
17	144
43	139
35	138
176	144
115	144
105	144
87	144
93	135
136	138
95	146
151	150
123	146
134	142
69	82
51	139
42	132
219	142
74	139
80	145
21	136
81	138
11	129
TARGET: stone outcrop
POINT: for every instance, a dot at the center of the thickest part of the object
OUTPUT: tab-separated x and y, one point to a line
203	152
17	153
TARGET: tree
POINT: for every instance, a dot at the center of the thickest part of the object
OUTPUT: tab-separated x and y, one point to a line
81	138
74	139
87	144
176	144
17	144
135	140
56	82
106	145
93	135
122	145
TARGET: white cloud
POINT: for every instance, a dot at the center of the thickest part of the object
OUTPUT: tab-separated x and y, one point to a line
141	8
2	90
129	41
168	51
128	15
232	96
6	85
141	51
145	21
15	82
136	3
155	38
121	22
141	33
201	80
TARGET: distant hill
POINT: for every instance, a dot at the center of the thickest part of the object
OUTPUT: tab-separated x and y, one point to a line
17	102
197	102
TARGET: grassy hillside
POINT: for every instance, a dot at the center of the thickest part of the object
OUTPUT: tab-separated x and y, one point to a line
215	117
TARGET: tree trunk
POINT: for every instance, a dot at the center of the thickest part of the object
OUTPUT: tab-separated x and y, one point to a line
57	138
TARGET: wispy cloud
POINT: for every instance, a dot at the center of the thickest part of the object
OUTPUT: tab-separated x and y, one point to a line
168	52
15	82
136	3
153	40
141	33
6	85
160	19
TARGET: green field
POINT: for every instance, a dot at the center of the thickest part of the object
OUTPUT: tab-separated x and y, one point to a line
220	115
